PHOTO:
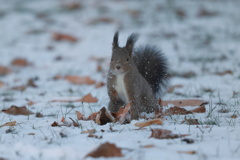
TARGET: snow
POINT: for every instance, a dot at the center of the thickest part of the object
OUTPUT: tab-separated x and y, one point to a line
204	45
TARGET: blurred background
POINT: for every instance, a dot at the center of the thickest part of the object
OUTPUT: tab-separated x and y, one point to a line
200	38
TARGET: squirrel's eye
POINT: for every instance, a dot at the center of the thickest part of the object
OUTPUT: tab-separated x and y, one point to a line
111	59
127	59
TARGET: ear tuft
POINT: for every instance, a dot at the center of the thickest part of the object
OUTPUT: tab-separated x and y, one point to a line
132	39
115	40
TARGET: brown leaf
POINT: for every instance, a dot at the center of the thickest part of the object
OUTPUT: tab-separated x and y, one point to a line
94	136
99	84
39	115
19	88
188	152
20	62
224	73
64	37
9	124
123	114
92	116
165	134
57	77
31	83
183	103
54	124
63	120
80	80
1	84
72	6
90	131
189	74
177	110
172	88
234	116
148	146
206	13
101	20
75	124
17	110
4	71
79	115
106	150
200	109
149	122
191	121
88	99
104	116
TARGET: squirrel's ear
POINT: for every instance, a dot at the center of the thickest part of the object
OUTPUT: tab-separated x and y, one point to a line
115	40
131	41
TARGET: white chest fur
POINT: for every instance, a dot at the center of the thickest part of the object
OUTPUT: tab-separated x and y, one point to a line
121	88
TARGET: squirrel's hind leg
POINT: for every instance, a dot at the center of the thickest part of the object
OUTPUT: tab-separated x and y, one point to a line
114	106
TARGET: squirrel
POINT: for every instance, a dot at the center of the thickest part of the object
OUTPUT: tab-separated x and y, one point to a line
136	76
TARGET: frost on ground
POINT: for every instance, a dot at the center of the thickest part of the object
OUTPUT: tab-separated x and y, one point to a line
44	43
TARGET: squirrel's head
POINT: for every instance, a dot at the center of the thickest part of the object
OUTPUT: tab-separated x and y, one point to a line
121	60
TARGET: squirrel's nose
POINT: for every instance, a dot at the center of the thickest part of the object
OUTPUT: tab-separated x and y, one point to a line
118	66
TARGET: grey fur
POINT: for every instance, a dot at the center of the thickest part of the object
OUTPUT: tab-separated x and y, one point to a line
135	78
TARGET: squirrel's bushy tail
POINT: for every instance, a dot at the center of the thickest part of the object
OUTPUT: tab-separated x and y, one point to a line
152	65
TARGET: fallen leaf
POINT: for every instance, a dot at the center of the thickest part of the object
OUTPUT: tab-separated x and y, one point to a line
1	84
224	73
104	116
4	71
63	120
72	6
106	150
90	131
31	134
64	37
188	152
206	13
54	124
183	103
87	98
177	110
39	115
20	62
79	115
200	109
101	20
149	122
31	83
57	77
188	140
234	116
191	121
9	124
19	88
75	124
172	88
17	110
189	74
123	115
181	13
94	136
99	84
148	146
165	134
80	80
92	116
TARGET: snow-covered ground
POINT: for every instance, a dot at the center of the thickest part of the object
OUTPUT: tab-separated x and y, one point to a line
201	40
